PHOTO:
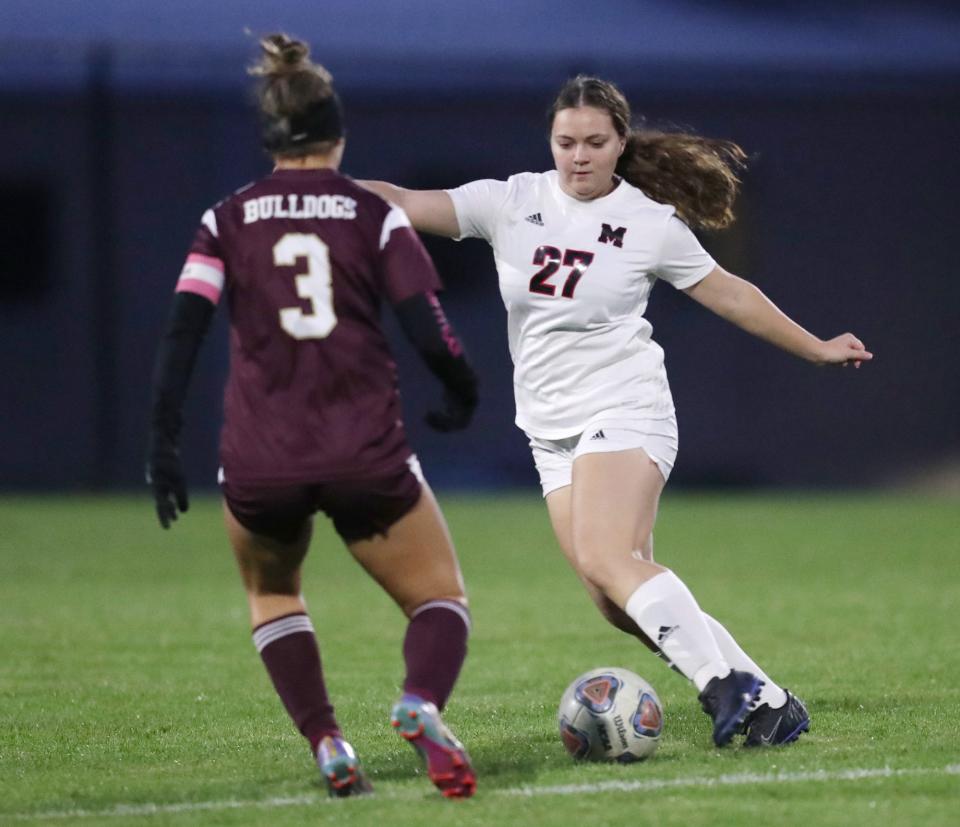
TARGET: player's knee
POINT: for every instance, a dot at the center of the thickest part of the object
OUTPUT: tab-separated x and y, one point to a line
644	549
595	563
615	616
264	582
438	590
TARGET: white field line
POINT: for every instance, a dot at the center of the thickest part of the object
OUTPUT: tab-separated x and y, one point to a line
733	780
645	785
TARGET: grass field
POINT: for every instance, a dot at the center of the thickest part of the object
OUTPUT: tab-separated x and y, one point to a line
130	692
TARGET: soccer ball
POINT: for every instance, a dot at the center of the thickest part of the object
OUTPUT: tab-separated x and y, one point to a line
610	714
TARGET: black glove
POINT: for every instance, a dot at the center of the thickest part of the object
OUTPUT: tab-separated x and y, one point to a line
165	477
190	318
427	328
456	413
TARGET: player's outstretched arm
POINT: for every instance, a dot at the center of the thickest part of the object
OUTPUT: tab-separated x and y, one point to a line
430	211
742	303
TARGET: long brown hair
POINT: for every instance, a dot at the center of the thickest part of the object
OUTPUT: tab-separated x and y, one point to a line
696	175
291	87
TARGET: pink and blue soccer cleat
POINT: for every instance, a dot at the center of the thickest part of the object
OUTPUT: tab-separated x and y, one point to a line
448	764
341	768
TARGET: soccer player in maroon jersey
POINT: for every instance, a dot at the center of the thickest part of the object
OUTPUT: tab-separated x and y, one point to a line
312	417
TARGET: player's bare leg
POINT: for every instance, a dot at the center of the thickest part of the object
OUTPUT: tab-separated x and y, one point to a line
415	563
779	718
558	506
270	569
614	503
284	637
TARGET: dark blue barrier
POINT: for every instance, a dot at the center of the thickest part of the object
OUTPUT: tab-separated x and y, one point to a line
846	222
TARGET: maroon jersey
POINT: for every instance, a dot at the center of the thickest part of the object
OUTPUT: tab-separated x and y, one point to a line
304	257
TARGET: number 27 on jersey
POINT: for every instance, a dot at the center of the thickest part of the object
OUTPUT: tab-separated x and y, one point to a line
550	260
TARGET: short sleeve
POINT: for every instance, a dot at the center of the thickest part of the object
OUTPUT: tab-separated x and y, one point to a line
405	265
204	271
683	261
477	206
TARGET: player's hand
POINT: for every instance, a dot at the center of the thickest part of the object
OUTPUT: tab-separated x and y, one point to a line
165	477
844	350
455	415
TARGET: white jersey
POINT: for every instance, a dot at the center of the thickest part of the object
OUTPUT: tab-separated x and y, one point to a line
575	277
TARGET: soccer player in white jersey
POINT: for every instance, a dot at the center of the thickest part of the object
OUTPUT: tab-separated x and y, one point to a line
578	250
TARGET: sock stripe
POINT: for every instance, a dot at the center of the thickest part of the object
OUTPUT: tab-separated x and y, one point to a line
281	617
451	605
267	633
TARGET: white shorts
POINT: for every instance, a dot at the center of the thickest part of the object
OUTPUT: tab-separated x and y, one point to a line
554	457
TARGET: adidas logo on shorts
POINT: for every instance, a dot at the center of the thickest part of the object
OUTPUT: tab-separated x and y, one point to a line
598	435
535	219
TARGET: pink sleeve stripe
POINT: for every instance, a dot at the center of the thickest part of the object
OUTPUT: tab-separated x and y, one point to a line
210	261
212	274
201	288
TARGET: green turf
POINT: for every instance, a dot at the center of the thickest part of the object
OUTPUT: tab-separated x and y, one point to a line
130	691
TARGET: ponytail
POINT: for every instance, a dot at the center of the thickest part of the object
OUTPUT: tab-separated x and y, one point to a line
696	175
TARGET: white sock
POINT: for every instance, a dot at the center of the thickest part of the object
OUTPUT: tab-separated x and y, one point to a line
669	615
770	693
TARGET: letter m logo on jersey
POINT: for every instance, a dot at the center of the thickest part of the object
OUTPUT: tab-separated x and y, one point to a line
608	234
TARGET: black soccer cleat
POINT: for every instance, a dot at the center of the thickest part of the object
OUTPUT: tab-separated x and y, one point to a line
766	727
728	701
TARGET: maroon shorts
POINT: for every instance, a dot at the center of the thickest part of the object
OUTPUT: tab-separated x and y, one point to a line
359	508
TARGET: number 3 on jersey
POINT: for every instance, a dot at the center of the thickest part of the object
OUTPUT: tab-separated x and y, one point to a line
316	285
550	259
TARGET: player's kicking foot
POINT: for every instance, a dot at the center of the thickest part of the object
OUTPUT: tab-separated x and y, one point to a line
448	764
766	727
728	701
341	768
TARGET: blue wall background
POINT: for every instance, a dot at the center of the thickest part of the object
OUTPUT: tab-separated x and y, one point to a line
121	122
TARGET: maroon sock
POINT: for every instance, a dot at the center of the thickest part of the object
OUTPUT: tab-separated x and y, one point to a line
434	649
289	650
